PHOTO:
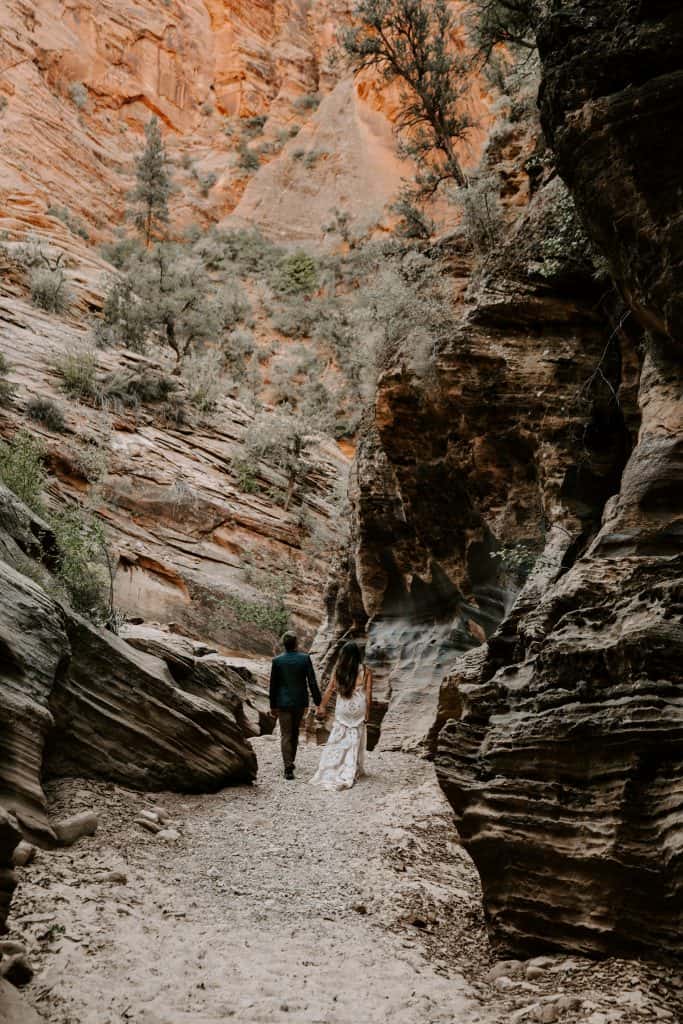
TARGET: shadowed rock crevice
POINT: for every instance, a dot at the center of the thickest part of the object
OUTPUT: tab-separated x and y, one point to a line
562	753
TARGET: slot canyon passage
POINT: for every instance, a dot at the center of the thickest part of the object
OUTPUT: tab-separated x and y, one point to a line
361	319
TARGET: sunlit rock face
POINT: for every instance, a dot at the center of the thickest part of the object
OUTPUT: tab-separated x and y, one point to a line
561	752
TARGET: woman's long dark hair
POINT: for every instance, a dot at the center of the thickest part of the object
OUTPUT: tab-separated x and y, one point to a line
346	671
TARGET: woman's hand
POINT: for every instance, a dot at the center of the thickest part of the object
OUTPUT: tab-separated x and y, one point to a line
320	712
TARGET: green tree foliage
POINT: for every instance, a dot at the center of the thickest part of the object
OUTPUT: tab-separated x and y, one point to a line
150	196
296	275
83	570
503	21
409	41
166	295
21	469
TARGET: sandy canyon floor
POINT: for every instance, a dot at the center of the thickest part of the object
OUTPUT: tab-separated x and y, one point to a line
281	903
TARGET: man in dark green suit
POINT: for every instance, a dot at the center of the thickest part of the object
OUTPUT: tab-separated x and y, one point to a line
291	677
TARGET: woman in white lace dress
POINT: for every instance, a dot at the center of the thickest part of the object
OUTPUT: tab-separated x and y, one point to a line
343	756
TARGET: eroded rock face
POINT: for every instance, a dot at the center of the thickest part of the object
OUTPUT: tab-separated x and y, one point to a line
510	439
9	838
562	756
611	104
75	699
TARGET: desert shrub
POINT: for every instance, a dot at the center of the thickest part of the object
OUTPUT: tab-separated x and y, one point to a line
121	251
77	368
270	614
247	159
92	460
166	295
278	438
135	388
238	347
83	566
125	320
482	216
202	374
309	101
6	389
249	251
48	289
4	103
294	318
207	109
74	223
22	470
413	221
245	473
206	182
253	126
296	274
79	95
47	412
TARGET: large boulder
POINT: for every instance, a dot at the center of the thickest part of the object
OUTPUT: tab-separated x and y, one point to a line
75	699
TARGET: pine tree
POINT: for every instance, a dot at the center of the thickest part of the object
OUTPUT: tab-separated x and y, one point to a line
410	41
150	195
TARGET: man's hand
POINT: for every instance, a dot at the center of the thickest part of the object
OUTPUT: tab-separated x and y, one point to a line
320	712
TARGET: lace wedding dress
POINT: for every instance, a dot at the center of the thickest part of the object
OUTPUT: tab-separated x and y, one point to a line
343	757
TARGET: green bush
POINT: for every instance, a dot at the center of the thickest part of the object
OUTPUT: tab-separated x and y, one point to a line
22	470
269	615
78	371
309	101
47	412
121	251
74	224
48	289
245	476
253	126
202	374
135	388
83	563
247	159
79	95
296	275
6	389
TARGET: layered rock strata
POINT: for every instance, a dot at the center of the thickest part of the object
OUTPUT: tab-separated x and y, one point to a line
78	700
563	758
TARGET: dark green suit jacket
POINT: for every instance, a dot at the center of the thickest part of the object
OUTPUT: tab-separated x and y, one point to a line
291	676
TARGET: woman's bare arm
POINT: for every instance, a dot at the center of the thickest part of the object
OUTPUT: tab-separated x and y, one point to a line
368	693
327	696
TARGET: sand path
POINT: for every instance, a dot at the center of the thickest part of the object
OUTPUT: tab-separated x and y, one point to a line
278	903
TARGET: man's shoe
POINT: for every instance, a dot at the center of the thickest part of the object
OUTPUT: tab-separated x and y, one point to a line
289	773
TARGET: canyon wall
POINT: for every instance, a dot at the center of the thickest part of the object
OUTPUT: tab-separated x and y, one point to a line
563	761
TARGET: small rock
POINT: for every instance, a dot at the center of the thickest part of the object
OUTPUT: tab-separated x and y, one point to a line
360	908
533	972
149	816
161	813
10	948
151	826
213	873
169	835
70	830
16	969
502	982
23	854
565	966
504	967
549	1013
113	878
569	1003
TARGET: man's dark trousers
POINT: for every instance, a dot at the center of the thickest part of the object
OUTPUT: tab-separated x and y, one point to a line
290	723
291	677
